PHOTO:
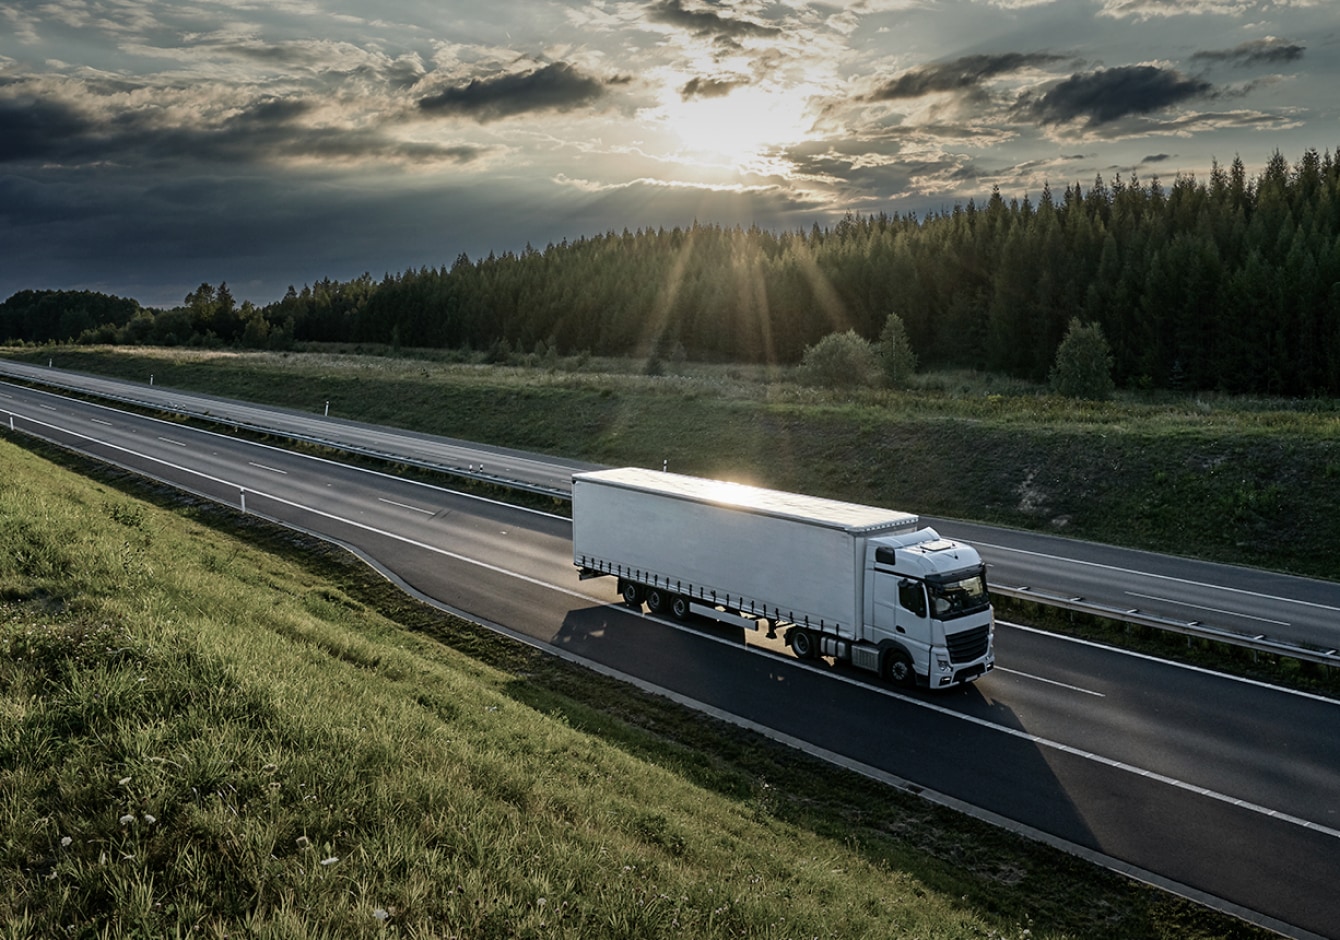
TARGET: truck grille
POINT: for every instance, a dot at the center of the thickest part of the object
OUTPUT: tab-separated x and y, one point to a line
969	645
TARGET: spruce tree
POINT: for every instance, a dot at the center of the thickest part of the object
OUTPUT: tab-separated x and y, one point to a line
1083	367
895	352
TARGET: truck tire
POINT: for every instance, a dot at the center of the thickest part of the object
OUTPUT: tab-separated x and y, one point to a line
803	644
898	669
679	607
632	594
657	600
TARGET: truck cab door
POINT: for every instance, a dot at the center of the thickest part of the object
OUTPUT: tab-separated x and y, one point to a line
901	609
902	614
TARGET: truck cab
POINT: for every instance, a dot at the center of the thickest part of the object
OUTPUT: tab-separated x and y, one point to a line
927	609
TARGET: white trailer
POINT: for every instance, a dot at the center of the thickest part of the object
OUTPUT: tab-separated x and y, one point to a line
858	583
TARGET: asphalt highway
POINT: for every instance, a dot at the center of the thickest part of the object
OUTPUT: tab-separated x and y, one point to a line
1250	602
1224	790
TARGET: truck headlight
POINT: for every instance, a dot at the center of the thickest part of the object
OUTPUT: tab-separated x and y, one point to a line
943	664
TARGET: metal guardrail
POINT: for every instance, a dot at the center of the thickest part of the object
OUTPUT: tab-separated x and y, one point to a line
468	472
1260	643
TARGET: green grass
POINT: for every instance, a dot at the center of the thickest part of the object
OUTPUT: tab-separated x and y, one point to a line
1245	481
214	727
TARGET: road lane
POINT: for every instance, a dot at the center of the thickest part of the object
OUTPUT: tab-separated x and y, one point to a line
1248	601
1106	773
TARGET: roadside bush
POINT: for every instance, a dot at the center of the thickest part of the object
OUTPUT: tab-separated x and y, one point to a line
839	360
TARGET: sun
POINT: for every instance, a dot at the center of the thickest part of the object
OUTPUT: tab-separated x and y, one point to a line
739	128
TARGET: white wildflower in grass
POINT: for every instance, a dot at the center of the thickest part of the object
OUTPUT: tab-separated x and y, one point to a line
127	819
65	842
381	914
329	861
150	819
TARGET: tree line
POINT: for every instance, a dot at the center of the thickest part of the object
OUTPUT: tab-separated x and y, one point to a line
1226	283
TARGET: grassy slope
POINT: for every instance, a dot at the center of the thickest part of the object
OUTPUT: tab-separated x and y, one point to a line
1236	481
212	727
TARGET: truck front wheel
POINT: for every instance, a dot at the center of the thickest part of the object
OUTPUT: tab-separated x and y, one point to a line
632	594
803	645
898	670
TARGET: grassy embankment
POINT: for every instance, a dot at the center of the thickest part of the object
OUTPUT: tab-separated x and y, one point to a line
211	727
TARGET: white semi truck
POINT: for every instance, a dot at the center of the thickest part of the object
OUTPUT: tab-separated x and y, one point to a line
861	584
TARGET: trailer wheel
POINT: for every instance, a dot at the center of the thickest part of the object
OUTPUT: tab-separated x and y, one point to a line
802	644
656	600
679	607
898	669
632	594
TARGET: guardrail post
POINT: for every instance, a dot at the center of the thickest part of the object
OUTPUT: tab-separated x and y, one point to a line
244	499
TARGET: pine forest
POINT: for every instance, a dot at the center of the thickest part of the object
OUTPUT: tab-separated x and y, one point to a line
1229	283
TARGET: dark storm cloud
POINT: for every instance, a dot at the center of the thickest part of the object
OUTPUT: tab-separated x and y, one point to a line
1108	95
557	87
710	87
1256	52
708	23
962	74
259	233
37	128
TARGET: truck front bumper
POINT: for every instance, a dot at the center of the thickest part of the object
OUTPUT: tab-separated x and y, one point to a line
968	673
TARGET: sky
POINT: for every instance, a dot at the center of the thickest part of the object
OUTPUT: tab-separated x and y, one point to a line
147	148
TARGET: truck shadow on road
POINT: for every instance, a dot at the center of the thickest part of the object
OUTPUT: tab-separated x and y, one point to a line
963	743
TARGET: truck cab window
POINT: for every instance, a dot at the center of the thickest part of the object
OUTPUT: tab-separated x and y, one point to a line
959	595
912	596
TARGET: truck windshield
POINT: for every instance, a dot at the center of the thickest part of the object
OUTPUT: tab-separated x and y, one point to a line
958	594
